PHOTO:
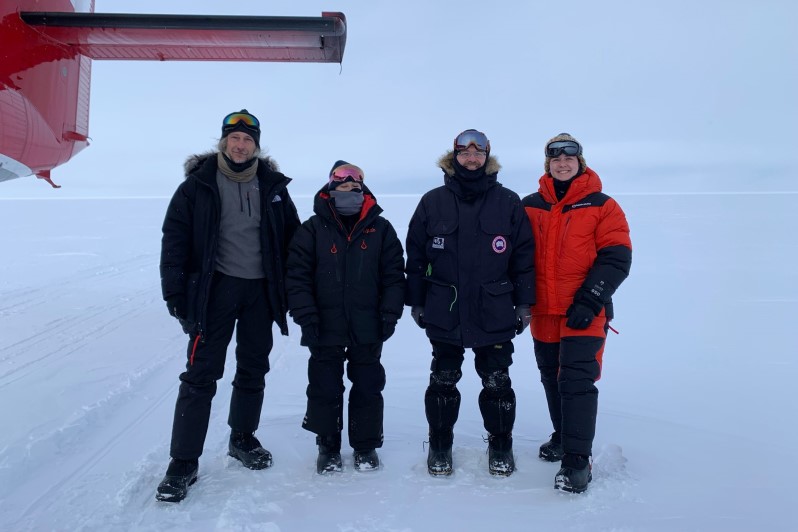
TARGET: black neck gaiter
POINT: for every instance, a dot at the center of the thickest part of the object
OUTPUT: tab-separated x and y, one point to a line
561	187
469	184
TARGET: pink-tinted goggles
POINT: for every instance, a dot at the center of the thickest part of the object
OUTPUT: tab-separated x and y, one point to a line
347	172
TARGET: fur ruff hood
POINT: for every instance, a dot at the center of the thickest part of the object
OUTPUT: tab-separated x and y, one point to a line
446	163
195	162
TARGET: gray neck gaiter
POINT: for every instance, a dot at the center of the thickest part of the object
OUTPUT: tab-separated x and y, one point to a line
347	203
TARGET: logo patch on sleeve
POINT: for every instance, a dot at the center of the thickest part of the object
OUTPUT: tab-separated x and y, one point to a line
437	242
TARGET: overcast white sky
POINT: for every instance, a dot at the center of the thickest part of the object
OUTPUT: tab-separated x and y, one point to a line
662	96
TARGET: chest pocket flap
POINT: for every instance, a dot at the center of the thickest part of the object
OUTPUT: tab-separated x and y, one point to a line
442	227
492	226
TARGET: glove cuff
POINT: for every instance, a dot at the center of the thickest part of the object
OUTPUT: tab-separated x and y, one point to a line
583	297
388	317
305	316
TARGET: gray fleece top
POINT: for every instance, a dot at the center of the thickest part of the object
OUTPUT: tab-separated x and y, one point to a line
239	252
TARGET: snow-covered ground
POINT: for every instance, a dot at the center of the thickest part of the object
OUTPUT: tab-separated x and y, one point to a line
697	425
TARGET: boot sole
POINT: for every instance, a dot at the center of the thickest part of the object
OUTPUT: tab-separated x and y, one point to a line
330	467
570	489
367	469
253	466
176	497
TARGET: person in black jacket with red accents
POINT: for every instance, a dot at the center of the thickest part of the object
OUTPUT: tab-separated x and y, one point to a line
345	287
470	284
225	242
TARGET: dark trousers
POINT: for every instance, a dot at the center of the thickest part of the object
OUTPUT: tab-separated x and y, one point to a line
326	393
234	303
568	370
496	400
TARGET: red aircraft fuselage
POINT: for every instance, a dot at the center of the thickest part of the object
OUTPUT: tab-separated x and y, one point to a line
46	49
44	94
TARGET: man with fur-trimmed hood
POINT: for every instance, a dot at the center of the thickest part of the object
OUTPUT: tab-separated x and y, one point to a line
223	252
470	284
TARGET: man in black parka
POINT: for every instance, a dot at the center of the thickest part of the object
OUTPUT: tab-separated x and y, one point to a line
225	241
470	283
346	287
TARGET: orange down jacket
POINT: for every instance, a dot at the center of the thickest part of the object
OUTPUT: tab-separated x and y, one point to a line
582	245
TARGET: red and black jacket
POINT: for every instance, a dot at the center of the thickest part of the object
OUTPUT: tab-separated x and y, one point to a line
582	245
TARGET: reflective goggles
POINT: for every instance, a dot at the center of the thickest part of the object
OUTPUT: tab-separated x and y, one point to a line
234	118
347	172
567	147
471	137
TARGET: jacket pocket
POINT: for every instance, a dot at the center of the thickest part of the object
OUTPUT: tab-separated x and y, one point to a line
498	232
440	308
496	306
440	236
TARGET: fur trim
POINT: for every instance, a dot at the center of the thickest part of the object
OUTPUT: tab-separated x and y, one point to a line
194	162
446	163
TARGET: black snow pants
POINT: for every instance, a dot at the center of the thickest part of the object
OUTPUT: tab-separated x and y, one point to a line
234	304
568	370
325	391
496	400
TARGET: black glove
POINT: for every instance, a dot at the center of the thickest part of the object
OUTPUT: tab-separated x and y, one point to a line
189	327
523	316
388	326
580	316
310	333
417	312
308	319
305	316
177	306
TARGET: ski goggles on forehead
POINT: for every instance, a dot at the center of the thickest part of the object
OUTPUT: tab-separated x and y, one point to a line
471	137
567	147
234	118
347	172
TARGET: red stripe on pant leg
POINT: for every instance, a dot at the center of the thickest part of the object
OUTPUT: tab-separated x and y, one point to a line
193	350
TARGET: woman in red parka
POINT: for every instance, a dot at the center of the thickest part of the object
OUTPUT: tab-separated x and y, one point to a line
582	254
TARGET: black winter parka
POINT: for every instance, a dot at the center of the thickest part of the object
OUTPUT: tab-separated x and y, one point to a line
190	236
351	281
470	262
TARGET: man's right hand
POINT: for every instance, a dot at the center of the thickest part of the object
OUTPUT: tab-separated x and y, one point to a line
310	333
177	306
417	312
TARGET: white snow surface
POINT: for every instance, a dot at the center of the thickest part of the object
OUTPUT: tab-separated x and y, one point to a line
697	425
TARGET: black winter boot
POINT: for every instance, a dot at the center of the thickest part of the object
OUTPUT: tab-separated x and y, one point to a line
246	448
366	460
439	458
500	455
574	474
179	476
329	460
551	451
